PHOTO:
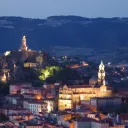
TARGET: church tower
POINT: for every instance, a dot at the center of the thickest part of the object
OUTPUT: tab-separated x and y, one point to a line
24	45
101	74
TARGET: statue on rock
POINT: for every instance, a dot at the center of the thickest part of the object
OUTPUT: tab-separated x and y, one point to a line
24	45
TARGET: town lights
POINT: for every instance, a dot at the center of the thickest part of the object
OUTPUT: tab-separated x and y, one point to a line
49	107
7	53
3	79
38	97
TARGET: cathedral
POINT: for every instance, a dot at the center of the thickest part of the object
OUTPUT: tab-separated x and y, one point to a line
70	96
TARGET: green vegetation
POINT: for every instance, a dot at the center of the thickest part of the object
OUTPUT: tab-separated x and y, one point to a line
56	73
49	71
67	74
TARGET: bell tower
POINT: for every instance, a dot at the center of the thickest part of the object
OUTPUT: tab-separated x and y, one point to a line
101	74
24	45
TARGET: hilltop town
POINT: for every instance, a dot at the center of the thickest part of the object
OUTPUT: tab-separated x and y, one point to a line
41	90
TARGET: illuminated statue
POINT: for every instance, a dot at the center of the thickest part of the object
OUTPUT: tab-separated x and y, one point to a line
101	74
24	45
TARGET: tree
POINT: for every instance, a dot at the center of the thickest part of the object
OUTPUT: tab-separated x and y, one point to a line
49	71
67	74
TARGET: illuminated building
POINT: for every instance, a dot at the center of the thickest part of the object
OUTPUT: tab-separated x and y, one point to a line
4	78
70	96
37	106
30	65
88	123
14	88
6	75
33	62
38	97
39	59
104	102
50	104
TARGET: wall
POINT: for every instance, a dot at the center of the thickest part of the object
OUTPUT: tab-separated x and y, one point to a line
17	87
99	125
118	126
80	124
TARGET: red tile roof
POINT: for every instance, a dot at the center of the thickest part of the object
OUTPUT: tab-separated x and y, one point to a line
123	116
79	86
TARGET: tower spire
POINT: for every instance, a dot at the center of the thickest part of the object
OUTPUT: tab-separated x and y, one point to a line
101	74
101	62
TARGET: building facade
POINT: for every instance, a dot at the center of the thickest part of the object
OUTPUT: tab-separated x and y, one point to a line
105	102
70	96
14	88
37	106
89	123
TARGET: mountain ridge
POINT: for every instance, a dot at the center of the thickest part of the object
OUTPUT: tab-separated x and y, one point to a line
72	31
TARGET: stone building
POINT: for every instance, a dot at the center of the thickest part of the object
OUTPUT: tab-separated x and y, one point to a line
105	102
70	96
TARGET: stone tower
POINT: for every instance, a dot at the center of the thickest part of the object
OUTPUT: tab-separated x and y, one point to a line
101	74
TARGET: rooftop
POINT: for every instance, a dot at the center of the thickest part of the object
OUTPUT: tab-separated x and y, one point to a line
111	97
36	102
21	84
123	116
79	86
16	96
13	107
30	94
20	114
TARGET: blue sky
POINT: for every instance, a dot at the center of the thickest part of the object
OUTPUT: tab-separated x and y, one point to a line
45	8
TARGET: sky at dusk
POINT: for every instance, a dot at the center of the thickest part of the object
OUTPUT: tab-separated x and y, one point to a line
45	8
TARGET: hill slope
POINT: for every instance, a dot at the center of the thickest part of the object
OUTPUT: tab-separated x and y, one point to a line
98	33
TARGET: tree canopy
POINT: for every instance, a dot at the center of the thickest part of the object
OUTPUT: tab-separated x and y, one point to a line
49	71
